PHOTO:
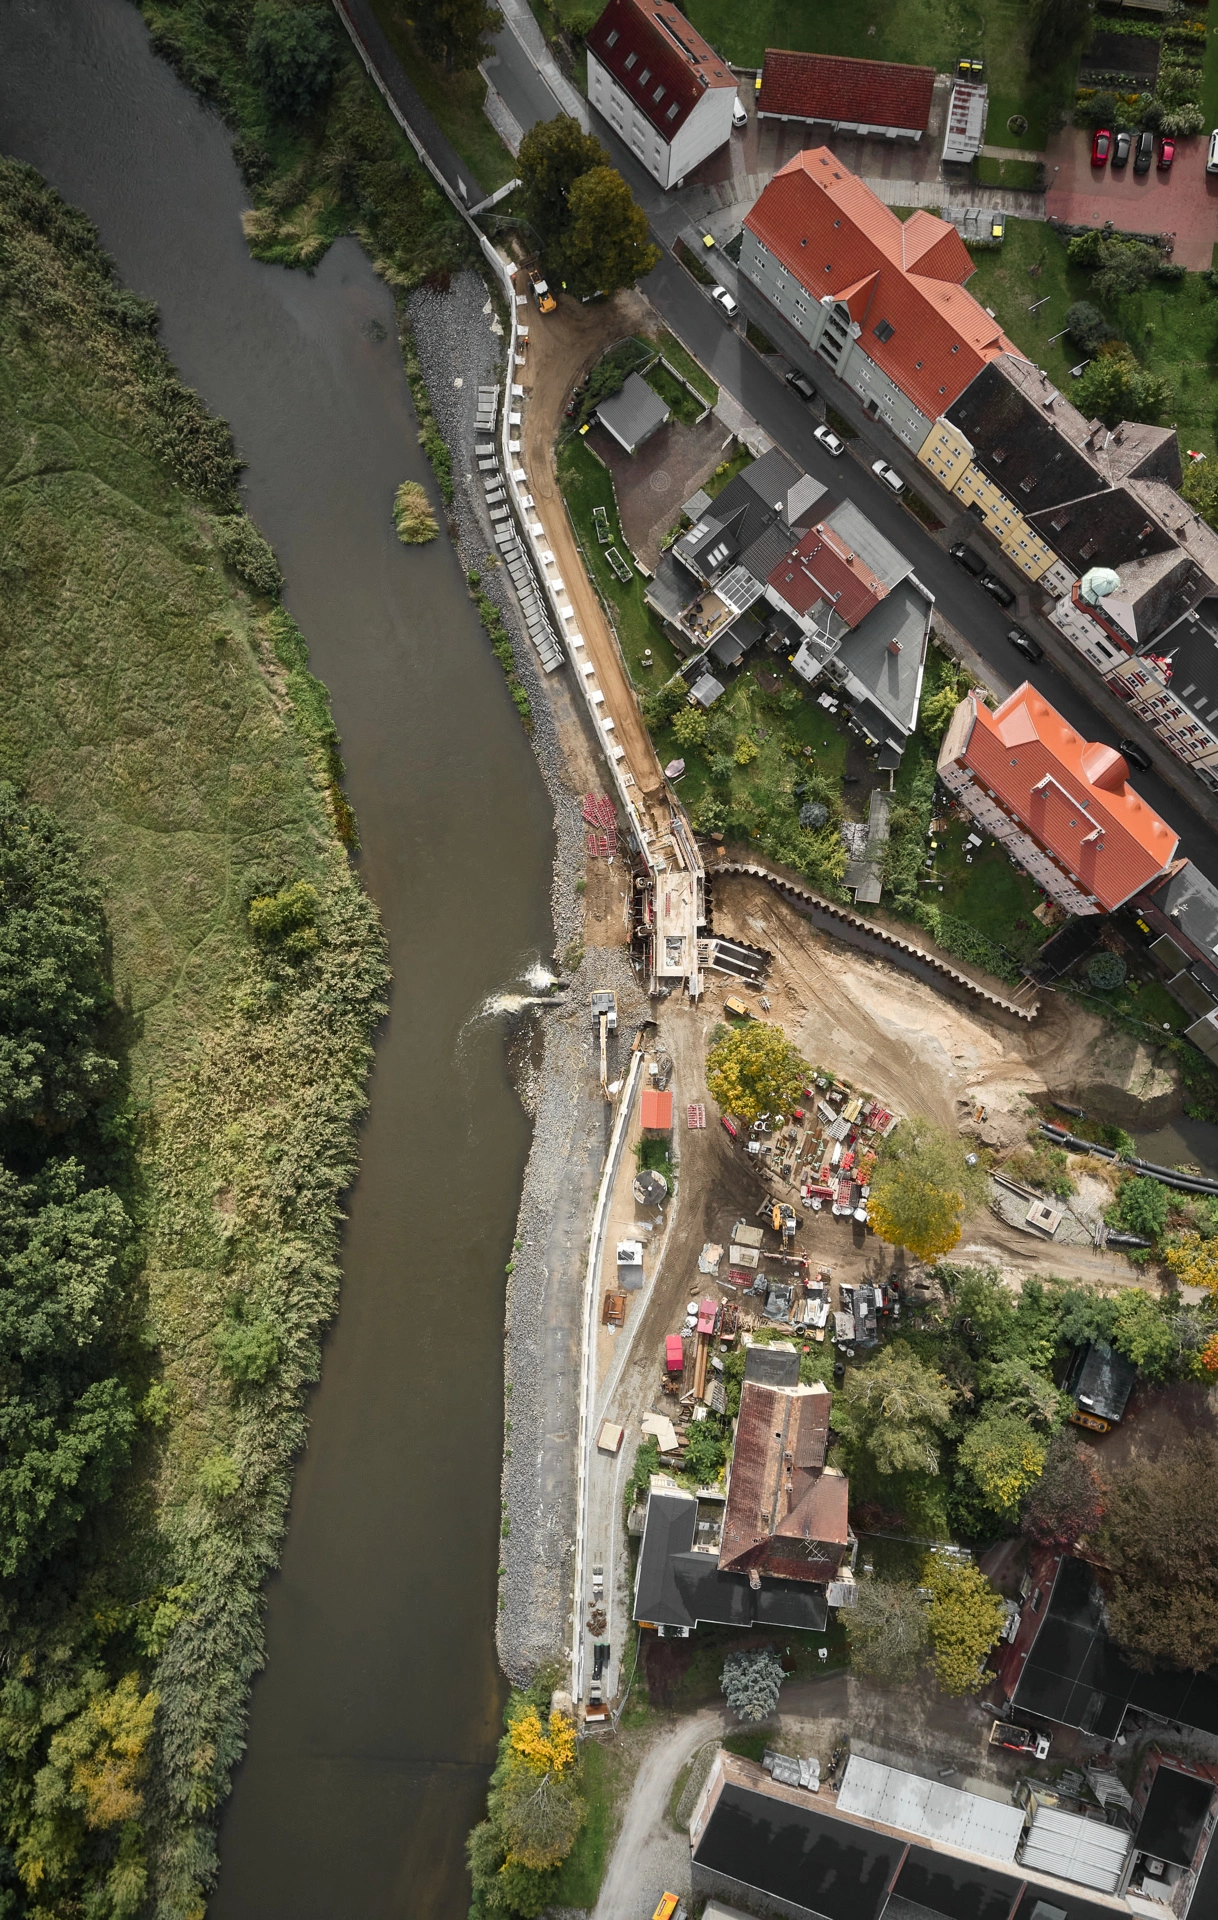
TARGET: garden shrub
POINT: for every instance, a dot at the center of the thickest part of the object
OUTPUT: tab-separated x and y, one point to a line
1105	971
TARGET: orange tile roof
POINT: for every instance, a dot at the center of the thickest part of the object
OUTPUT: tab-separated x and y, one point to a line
656	1110
822	567
1071	794
832	233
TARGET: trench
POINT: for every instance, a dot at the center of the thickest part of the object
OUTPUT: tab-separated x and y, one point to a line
374	1723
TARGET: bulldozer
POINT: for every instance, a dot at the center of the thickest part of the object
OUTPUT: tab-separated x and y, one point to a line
604	1017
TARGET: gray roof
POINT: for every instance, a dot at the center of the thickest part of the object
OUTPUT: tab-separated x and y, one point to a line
1192	648
1101	1380
634	413
706	690
1191	900
887	682
771	478
679	1587
887	564
773	1366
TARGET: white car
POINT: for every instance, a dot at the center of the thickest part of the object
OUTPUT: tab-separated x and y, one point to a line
829	441
1211	164
888	475
739	117
723	297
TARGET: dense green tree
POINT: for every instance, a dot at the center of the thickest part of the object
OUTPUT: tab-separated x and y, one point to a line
1124	266
1087	326
1003	1455
754	1070
895	1409
888	1628
966	1618
923	1189
1021	1389
454	31
1143	1333
605	246
293	51
553	155
247	1346
1115	388
1066	1502
1158	1544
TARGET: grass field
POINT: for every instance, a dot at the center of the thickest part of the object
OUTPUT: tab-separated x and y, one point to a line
1172	328
455	99
688	368
924	32
683	405
586	484
167	715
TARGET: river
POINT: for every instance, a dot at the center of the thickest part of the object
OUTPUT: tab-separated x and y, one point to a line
376	1719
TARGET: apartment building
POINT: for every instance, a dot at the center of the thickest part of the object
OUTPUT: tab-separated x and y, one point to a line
661	86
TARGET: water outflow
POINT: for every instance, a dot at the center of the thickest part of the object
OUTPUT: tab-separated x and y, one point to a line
374	1723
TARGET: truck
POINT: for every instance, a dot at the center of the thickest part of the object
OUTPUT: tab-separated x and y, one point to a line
1020	1739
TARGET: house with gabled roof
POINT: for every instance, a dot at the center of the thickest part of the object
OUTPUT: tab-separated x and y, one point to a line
879	300
865	97
1061	805
660	85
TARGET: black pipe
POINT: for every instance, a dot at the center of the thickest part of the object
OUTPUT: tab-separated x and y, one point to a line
1189	1183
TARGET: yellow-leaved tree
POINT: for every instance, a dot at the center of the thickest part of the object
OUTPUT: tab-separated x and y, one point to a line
923	1189
1194	1261
966	1618
755	1069
540	1808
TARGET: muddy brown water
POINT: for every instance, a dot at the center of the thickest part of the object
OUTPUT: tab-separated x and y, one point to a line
375	1721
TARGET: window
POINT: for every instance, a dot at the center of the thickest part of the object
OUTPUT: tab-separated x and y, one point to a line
884	332
612	39
658	94
645	76
674	110
630	60
1026	486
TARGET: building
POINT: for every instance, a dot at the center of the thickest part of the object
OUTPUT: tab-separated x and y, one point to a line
661	86
775	561
776	1850
766	1552
1180	912
633	414
840	281
867	97
1061	805
655	1110
1175	1807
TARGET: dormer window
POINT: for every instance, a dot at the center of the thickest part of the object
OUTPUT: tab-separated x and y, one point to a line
612	39
884	332
955	349
645	76
630	60
674	110
658	94
998	456
1026	486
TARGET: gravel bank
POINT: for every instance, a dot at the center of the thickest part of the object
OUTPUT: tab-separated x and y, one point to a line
545	1289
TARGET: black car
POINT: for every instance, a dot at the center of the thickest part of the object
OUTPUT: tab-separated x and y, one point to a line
1135	756
1120	149
997	590
1024	643
802	387
966	558
1144	152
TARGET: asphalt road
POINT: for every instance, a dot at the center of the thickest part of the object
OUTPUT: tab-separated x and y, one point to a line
517	81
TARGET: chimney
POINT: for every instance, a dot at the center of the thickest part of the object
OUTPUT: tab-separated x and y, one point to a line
754	1580
894	647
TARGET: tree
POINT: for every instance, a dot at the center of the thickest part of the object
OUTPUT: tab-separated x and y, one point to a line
1158	1544
1143	1333
605	246
1115	388
664	702
1019	1388
936	712
1087	326
293	52
888	1630
1140	1206
1123	267
895	1408
247	1345
689	727
755	1070
1003	1455
966	1617
1057	28
285	922
1105	971
1194	1261
922	1190
453	31
101	1751
553	155
1066	1502
751	1683
540	1813
705	1451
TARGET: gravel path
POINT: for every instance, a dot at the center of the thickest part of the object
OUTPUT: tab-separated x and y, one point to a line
571	1119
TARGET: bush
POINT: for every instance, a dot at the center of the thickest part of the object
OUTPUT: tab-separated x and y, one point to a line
285	922
1105	971
412	515
1140	1207
293	53
247	1347
1087	326
248	555
660	706
751	1682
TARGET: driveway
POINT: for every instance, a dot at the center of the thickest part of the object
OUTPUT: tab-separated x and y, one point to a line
1183	201
649	1858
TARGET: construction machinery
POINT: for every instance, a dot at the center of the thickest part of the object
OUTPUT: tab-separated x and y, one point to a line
546	302
782	1219
604	1017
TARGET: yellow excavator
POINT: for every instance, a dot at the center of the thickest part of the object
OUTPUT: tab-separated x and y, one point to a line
782	1219
604	1017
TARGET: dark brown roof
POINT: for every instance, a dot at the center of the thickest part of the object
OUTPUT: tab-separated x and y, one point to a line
779	1487
1021	444
823	86
658	59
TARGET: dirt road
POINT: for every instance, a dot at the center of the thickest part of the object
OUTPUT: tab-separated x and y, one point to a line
649	1857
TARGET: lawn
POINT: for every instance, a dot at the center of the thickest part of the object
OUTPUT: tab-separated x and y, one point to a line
455	100
579	1880
586	484
688	368
684	406
923	32
1172	327
989	893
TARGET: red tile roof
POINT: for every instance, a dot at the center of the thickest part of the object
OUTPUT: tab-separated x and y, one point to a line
656	1110
651	49
821	86
822	567
1071	794
831	232
779	1490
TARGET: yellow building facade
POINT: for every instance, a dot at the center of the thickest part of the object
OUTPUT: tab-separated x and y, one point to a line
947	454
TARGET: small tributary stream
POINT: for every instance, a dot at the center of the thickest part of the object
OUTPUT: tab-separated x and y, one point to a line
375	1721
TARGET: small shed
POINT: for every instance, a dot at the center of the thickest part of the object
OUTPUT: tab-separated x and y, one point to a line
705	690
706	1316
1100	1381
609	1439
656	1111
650	1189
633	414
630	1264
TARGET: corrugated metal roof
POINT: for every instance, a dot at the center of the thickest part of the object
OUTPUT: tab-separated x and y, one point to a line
927	1807
1075	1848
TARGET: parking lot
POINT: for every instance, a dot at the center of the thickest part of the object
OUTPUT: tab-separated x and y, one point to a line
1183	201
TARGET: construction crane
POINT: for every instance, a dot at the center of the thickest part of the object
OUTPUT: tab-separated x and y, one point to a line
604	1017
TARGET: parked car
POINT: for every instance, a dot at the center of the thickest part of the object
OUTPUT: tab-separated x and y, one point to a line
1120	149
888	475
997	590
724	299
1024	643
1167	152
829	441
739	117
1144	151
1135	755
1211	163
803	387
1101	147
966	558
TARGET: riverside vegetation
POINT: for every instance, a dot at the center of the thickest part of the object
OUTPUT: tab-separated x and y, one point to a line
191	978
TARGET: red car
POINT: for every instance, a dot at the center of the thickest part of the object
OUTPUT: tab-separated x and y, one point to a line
1167	152
1101	147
